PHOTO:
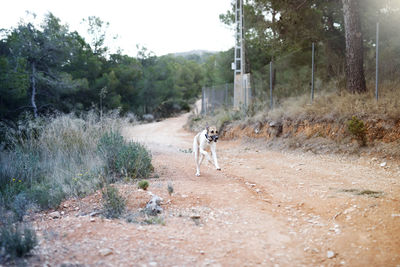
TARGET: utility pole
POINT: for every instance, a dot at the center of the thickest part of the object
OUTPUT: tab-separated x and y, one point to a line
239	61
312	73
239	45
377	63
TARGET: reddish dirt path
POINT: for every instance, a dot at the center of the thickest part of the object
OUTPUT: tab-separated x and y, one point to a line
269	208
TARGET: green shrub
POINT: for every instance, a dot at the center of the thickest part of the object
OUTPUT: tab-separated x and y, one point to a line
110	145
113	204
135	160
143	184
357	128
20	205
9	189
124	158
82	183
46	195
17	240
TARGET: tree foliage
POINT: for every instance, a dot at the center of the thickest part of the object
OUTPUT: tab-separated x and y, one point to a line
275	29
48	68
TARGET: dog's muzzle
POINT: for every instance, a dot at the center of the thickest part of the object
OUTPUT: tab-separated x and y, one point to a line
211	138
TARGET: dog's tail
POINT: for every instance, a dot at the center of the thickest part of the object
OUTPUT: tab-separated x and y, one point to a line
196	148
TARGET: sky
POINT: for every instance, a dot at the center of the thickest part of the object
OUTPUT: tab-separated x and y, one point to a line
162	26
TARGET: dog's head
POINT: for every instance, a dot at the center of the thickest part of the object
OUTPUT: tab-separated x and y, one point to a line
212	133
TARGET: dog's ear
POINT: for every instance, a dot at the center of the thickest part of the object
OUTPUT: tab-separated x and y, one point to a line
207	127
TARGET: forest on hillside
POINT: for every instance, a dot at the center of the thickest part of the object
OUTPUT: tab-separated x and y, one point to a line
47	68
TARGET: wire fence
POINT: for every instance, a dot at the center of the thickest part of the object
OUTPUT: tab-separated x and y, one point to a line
214	97
317	68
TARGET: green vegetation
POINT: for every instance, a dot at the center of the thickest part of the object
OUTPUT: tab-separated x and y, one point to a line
170	189
277	31
61	71
155	220
49	159
45	160
370	193
113	203
357	128
143	184
283	31
17	240
363	192
124	159
350	190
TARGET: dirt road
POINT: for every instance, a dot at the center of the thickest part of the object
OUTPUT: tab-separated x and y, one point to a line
268	208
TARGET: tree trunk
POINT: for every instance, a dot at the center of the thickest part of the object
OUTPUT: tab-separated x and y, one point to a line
355	79
33	84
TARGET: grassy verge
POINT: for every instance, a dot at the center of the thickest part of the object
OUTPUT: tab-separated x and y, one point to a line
45	160
334	106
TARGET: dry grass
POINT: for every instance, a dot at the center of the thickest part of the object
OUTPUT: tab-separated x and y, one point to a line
339	106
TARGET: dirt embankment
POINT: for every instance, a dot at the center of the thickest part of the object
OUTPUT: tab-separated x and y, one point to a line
379	134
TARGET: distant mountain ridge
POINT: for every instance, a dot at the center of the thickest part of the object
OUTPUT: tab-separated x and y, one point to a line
193	52
199	56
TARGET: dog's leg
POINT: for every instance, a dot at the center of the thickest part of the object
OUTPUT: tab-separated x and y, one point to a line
202	145
196	154
205	153
214	155
198	162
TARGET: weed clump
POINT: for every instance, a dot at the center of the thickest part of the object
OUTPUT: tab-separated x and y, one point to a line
170	189
17	240
357	128
47	196
363	192
21	205
143	184
370	193
155	220
113	203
